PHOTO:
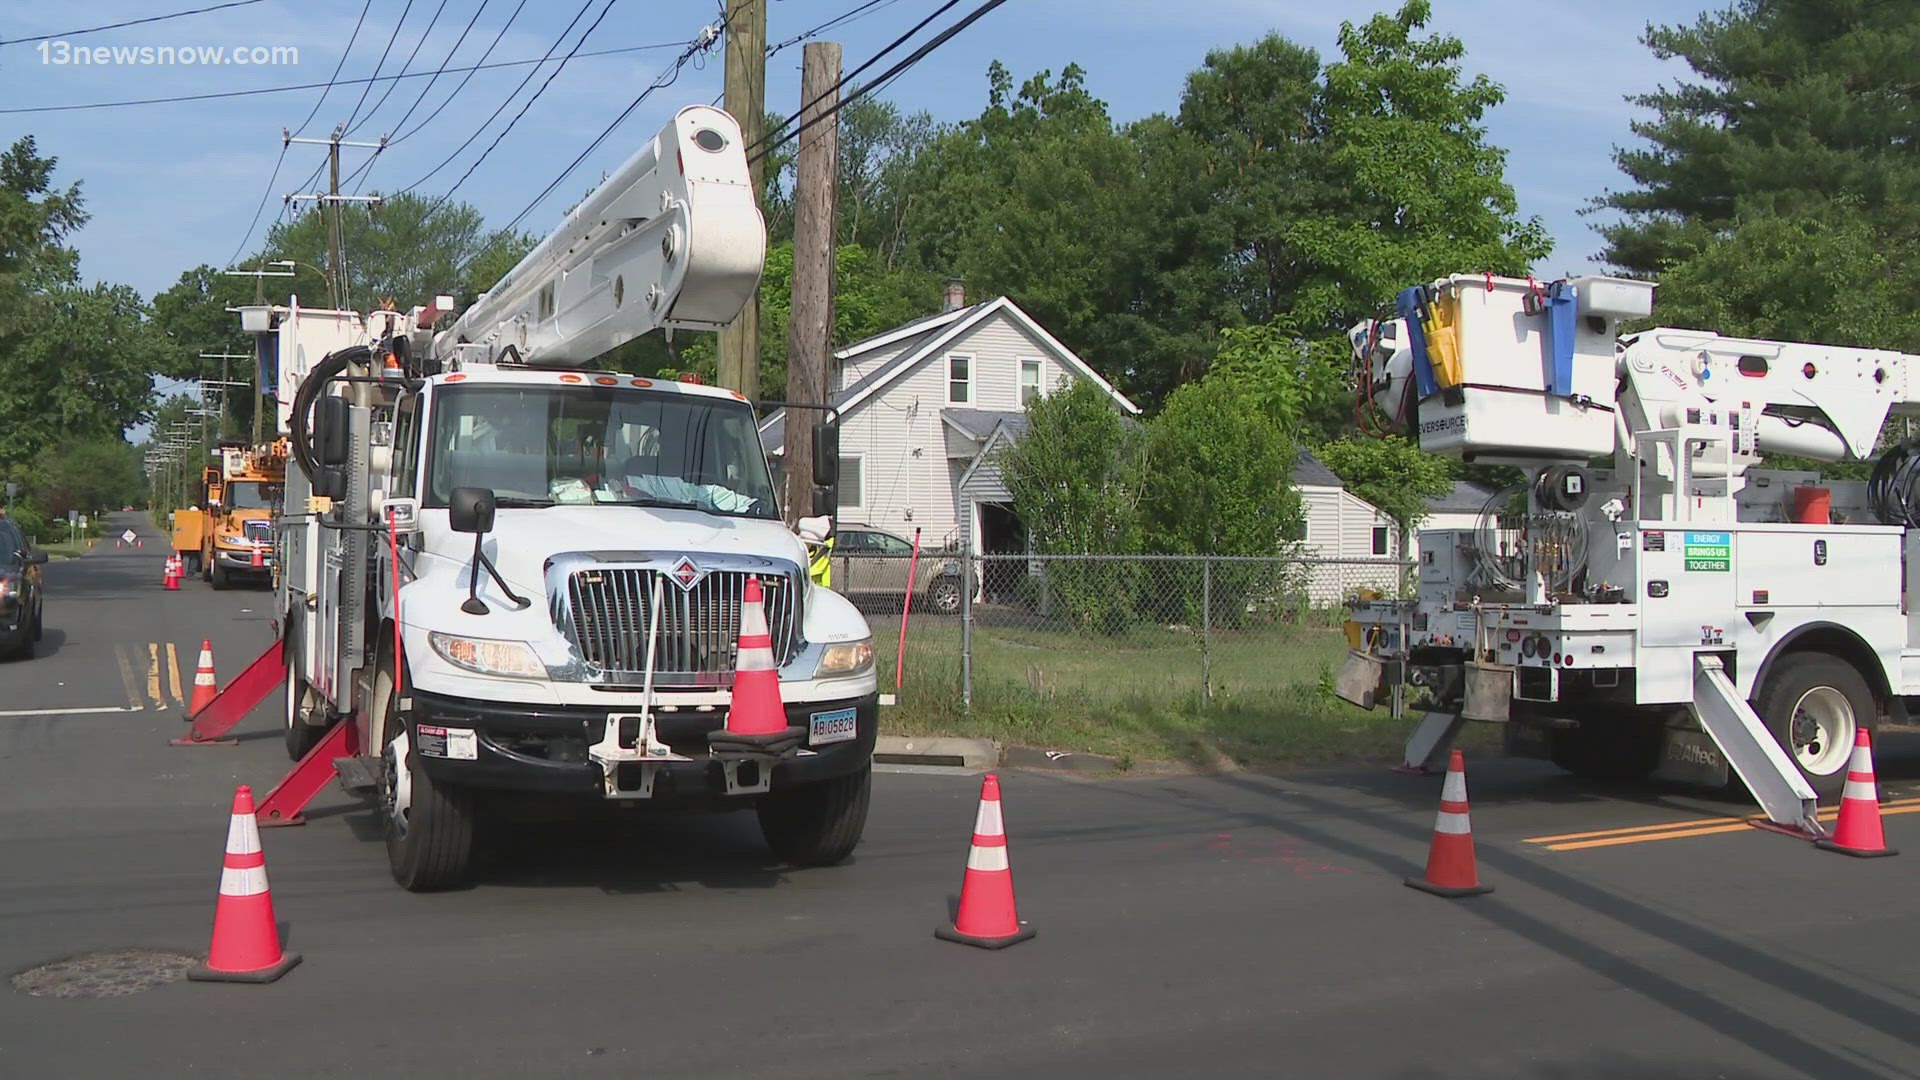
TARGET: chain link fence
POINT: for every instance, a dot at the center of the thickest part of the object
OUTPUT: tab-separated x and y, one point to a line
1090	641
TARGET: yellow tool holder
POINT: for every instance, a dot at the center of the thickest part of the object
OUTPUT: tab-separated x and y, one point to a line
1442	318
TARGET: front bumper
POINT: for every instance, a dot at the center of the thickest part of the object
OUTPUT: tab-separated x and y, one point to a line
240	560
544	748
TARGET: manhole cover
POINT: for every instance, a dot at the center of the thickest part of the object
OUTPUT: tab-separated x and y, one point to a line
105	974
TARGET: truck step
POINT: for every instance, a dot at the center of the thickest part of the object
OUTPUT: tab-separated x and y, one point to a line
359	776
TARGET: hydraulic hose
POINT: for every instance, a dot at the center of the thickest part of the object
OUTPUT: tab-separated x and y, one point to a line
299	425
1893	492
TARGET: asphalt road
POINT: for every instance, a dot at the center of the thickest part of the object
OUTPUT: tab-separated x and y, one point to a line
1212	926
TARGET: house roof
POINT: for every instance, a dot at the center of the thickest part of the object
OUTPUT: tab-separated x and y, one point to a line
1310	471
925	337
1464	497
979	423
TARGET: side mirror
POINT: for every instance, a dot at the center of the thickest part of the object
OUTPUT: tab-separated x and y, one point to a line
470	510
330	418
36	558
826	455
824	500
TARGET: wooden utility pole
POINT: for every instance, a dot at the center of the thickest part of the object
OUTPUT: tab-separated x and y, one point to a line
810	332
333	221
746	99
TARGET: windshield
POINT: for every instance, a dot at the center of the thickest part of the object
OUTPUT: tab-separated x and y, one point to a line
252	495
542	446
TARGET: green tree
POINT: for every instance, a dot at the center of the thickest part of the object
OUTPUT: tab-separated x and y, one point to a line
1794	103
1392	474
1301	382
1076	479
407	250
89	476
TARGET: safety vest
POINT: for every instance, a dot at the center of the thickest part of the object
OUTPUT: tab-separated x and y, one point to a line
820	568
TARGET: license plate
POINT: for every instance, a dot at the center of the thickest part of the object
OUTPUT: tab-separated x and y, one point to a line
832	727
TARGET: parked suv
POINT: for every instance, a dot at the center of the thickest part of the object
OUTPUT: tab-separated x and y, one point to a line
20	593
869	563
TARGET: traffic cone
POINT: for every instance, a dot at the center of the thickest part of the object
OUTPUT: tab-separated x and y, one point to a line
259	557
246	943
204	685
987	917
170	576
1858	830
1450	867
756	720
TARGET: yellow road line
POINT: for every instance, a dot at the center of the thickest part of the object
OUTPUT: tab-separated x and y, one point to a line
173	673
1678	830
1628	830
153	675
127	680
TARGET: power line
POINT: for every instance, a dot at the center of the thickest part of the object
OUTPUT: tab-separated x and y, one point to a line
342	82
261	206
441	70
344	53
498	109
705	39
478	65
844	17
849	76
418	44
887	76
527	105
382	62
129	22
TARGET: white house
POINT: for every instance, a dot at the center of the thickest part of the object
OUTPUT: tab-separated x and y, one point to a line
925	407
1353	543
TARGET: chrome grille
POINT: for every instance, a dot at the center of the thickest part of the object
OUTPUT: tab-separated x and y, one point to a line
257	530
699	627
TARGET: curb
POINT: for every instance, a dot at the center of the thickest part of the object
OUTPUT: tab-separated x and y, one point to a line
1027	757
976	754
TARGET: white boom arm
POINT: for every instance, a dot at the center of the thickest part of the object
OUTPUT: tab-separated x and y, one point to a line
673	238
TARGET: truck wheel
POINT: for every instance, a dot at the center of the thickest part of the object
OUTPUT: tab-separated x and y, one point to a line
429	826
1621	747
301	736
217	576
817	824
1814	703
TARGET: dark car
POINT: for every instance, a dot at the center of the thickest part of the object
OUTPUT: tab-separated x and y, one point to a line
869	564
21	598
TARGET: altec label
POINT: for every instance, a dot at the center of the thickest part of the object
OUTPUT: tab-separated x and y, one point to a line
1710	551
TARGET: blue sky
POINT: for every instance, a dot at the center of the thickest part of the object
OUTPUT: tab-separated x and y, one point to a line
172	186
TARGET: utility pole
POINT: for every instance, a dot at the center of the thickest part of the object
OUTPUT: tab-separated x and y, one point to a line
810	331
260	276
746	99
337	277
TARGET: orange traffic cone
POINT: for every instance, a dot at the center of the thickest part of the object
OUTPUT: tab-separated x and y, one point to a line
987	917
167	577
259	557
1858	831
204	686
1450	867
246	943
756	721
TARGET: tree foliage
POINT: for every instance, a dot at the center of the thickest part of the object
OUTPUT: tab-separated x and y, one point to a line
1391	473
407	250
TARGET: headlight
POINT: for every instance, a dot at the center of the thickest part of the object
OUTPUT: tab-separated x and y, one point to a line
485	657
846	658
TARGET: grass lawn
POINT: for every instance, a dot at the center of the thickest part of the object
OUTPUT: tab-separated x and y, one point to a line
66	549
1137	696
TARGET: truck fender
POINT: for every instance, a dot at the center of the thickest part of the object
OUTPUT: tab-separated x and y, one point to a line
1835	640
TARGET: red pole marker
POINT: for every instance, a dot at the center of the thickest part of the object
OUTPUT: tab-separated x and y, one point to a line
987	916
1858	831
1450	866
246	942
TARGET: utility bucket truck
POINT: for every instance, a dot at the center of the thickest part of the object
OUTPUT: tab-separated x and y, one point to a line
1647	602
522	580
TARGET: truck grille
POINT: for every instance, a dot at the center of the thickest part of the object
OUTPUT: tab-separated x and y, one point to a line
257	531
699	627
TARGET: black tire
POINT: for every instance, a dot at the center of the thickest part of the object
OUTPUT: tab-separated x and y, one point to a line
39	621
22	649
218	577
1620	745
817	824
943	595
432	847
1804	695
300	736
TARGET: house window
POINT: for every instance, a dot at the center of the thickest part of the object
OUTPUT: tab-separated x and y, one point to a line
1380	540
959	380
853	490
1029	381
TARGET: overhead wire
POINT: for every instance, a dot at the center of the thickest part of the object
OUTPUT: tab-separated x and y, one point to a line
444	62
128	22
508	100
838	20
419	43
332	79
885	77
382	62
849	76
